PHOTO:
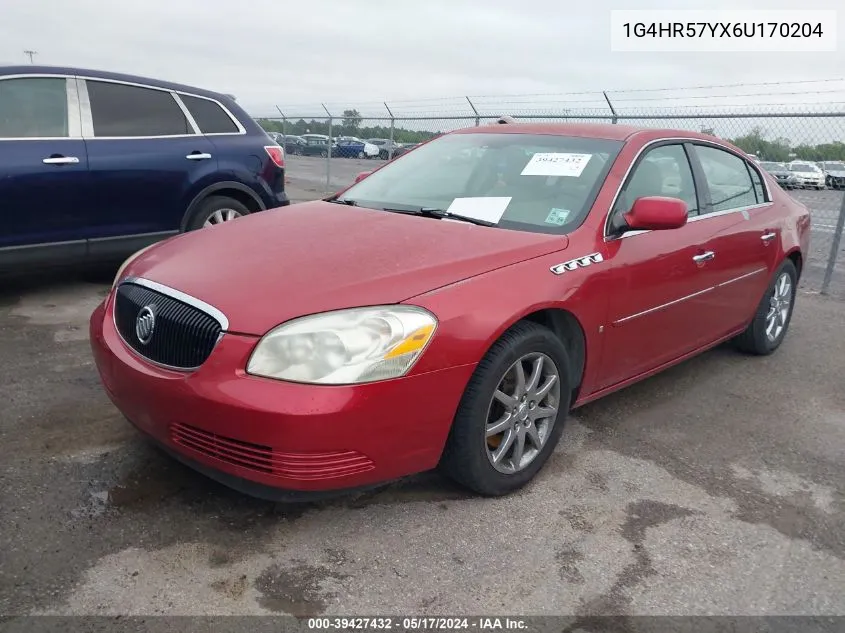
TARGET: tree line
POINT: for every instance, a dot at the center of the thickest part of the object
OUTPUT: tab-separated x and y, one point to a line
781	150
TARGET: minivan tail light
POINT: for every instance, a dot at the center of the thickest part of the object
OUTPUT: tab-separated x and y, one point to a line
276	154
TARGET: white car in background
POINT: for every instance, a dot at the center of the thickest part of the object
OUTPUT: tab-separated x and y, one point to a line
369	150
807	174
834	173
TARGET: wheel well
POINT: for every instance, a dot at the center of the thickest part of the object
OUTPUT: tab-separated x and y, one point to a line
241	196
249	201
568	329
796	258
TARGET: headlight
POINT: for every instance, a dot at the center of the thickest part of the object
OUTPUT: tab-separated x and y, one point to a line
345	347
128	261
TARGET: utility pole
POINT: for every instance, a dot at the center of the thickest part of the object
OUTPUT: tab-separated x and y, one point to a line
31	54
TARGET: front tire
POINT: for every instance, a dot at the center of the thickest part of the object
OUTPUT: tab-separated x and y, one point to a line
216	210
767	330
511	415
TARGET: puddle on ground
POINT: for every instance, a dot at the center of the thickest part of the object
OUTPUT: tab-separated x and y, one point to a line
296	590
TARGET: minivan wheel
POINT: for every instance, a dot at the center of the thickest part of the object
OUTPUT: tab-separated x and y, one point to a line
324	154
511	415
216	210
767	330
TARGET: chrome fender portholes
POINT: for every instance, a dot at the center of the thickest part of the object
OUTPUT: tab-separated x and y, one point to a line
581	262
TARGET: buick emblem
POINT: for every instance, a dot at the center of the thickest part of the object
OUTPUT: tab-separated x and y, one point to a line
145	324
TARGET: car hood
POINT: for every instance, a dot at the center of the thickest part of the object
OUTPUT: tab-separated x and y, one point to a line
267	268
838	173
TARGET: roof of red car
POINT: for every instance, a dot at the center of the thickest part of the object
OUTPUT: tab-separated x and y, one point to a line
607	131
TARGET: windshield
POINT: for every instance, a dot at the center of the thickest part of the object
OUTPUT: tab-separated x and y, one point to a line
835	166
803	168
773	166
529	182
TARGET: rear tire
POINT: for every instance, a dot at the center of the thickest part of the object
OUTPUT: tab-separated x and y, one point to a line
469	457
216	210
771	322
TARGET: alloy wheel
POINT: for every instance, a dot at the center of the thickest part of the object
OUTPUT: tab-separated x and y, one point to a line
522	412
780	305
220	216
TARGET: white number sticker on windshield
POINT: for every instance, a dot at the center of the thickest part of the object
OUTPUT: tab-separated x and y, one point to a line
553	164
487	209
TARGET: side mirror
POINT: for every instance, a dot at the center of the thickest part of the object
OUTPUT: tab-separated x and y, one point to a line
362	175
656	213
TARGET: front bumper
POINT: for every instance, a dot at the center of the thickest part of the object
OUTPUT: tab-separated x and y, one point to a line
276	439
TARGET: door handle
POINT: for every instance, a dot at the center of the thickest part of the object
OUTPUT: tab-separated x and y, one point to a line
198	156
768	237
704	257
61	160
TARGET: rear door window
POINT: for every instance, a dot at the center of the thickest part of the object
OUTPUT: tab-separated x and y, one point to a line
210	117
33	107
121	110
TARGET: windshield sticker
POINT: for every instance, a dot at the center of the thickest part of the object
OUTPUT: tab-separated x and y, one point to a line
553	164
558	217
487	209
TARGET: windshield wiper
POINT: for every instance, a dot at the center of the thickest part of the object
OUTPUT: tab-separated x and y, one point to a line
441	214
347	202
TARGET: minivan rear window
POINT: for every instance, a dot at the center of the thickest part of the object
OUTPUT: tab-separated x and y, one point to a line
210	117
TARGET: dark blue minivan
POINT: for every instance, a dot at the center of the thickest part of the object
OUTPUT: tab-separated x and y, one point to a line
95	166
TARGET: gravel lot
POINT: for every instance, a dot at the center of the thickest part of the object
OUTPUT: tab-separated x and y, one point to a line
715	487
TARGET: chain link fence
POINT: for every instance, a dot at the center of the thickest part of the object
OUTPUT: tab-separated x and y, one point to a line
325	153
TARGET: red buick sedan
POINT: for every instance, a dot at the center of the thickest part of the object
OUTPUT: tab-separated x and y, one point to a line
449	309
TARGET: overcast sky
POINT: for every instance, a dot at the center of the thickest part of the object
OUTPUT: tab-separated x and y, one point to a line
297	54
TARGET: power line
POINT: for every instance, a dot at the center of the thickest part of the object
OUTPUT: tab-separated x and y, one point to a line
679	88
31	54
599	97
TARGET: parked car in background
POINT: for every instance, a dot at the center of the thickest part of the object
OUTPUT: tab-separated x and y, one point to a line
404	148
293	144
780	172
96	165
315	146
355	148
321	137
482	299
834	174
807	174
386	147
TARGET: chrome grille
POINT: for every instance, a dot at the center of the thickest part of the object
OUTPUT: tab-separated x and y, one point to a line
182	337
